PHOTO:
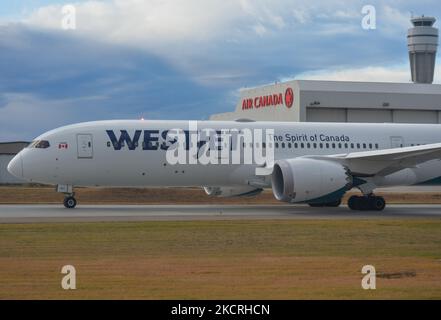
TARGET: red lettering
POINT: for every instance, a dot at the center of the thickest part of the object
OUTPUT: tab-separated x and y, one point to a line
270	101
262	101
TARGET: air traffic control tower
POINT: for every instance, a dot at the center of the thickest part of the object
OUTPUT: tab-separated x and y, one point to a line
422	41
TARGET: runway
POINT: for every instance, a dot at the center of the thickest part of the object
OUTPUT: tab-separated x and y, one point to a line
85	213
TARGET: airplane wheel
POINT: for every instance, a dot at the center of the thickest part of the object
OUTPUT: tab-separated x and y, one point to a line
366	203
378	203
353	203
70	202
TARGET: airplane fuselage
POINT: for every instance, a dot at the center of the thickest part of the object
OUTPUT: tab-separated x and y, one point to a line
133	153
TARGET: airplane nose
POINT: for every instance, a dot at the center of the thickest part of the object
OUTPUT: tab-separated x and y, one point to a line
15	167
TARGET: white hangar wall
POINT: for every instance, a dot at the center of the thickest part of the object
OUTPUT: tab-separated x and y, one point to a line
339	101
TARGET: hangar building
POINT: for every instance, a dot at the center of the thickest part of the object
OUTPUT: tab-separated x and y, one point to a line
345	101
339	101
7	151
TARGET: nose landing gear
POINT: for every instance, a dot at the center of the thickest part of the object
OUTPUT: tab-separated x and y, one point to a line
69	201
364	203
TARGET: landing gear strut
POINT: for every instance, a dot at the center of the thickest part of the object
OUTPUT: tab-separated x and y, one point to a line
364	203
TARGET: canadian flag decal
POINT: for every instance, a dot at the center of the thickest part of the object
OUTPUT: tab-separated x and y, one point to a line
63	145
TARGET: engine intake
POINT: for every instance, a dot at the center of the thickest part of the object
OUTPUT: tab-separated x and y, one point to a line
309	180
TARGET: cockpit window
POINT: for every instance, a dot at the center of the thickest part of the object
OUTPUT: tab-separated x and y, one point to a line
40	144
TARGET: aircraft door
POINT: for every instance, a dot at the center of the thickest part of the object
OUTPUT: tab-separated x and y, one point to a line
396	142
85	146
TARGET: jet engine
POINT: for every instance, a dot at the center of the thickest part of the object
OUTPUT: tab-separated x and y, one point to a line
309	180
225	192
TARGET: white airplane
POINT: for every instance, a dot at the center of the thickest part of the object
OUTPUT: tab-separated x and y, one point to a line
313	163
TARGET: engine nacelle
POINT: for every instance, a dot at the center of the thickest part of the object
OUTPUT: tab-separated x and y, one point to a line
225	192
309	180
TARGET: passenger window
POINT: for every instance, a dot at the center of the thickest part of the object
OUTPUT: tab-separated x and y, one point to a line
327	146
370	145
276	144
346	145
376	145
339	145
308	145
289	145
352	146
283	145
358	146
296	145
364	145
263	145
321	145
333	146
302	145
315	145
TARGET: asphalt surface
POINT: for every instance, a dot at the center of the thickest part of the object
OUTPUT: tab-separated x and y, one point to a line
84	213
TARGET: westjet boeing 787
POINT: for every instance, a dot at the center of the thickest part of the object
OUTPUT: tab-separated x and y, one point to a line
313	163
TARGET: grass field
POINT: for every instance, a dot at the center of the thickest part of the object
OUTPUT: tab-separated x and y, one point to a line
295	259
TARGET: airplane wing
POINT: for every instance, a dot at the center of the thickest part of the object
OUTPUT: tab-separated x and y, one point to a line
386	161
379	162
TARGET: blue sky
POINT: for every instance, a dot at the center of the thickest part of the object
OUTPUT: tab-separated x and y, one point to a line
183	59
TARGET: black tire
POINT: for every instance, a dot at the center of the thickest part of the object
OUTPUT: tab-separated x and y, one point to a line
70	202
353	203
378	203
364	203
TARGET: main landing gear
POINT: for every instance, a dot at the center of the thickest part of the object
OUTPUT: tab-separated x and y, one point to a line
69	200
368	202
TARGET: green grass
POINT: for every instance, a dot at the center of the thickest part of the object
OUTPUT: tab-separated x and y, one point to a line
221	259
